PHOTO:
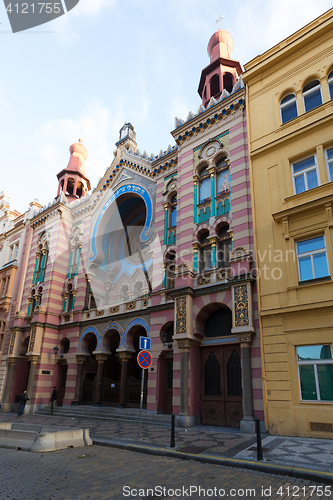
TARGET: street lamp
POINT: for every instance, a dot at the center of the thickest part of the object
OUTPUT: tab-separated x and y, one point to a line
165	338
55	350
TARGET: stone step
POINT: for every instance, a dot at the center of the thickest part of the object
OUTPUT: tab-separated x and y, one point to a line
109	413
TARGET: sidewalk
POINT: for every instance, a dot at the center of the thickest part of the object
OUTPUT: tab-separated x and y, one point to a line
300	457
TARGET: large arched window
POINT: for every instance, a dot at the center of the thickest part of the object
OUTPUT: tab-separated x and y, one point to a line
224	245
312	95
170	269
206	262
204	185
222	177
330	84
173	211
288	108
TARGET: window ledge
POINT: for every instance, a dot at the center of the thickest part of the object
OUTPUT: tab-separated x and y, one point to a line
314	281
315	402
305	201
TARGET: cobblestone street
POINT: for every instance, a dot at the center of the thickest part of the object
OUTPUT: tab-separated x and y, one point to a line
101	473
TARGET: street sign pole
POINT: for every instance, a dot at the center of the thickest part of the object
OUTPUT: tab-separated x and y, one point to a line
144	361
141	401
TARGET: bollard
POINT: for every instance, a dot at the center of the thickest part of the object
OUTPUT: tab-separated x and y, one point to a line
259	447
172	440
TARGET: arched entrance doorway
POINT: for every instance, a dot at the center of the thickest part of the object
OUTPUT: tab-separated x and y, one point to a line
21	373
221	377
165	371
90	367
112	370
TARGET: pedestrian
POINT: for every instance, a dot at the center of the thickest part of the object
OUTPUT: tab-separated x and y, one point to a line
54	398
23	399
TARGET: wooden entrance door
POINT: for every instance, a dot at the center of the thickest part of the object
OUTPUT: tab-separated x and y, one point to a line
62	386
221	386
168	386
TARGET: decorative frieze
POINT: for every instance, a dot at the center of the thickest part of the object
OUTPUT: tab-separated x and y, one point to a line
204	280
241	305
180	315
223	274
32	340
12	343
130	306
114	309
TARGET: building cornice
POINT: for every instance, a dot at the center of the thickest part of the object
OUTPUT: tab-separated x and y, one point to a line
216	112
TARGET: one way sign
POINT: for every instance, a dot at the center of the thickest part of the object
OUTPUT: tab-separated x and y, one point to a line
145	343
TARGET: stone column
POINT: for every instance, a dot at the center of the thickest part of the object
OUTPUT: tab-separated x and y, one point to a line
30	386
11	363
124	357
184	346
101	358
247	423
80	362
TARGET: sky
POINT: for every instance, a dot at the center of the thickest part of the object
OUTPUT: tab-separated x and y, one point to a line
107	62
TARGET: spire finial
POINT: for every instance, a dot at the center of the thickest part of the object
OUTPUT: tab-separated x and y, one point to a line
219	21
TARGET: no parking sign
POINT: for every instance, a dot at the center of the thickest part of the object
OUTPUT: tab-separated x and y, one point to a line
144	359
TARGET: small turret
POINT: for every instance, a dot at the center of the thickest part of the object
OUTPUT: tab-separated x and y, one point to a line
72	180
223	72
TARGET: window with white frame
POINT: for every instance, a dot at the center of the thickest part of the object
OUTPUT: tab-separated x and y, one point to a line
315	371
204	185
312	95
329	163
312	259
305	174
288	108
330	84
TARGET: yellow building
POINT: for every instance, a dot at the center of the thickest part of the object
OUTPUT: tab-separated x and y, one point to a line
290	128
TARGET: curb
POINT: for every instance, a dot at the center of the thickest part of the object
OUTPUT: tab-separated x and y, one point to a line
312	475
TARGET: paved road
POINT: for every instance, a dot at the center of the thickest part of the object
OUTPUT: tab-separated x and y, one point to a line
97	472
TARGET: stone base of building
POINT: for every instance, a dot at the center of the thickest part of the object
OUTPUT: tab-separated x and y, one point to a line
186	421
249	426
10	407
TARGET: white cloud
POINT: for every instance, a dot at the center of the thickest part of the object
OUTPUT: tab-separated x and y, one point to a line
93	7
95	126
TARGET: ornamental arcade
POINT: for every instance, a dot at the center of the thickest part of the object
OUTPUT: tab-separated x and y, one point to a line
163	248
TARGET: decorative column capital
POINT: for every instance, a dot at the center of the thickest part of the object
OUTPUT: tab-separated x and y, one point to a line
245	339
165	205
101	358
124	355
12	361
211	170
184	345
195	179
33	358
213	240
196	246
80	359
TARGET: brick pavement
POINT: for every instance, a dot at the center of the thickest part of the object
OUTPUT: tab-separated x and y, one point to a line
209	438
101	473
